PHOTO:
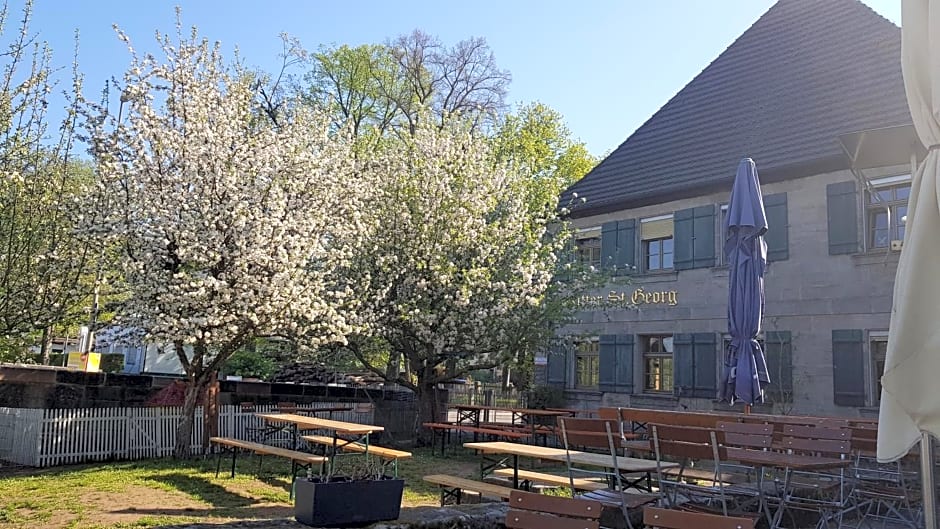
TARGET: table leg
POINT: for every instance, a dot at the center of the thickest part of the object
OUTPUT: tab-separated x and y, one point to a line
515	471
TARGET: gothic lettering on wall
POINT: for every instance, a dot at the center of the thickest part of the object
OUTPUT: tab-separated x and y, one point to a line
640	296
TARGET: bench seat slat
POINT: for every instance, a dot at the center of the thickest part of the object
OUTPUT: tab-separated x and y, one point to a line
260	448
455	482
551	479
381	451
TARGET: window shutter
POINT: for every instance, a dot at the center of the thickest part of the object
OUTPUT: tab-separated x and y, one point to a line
778	230
607	380
683	238
618	245
695	365
842	204
705	360
557	367
616	363
694	237
625	344
683	364
626	242
779	352
848	371
703	232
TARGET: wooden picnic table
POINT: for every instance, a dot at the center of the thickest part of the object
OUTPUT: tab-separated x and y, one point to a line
787	462
470	414
329	410
629	465
340	431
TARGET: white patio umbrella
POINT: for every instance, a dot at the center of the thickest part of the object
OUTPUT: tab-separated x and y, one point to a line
910	400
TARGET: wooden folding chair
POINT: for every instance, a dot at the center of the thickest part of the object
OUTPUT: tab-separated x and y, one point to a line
537	511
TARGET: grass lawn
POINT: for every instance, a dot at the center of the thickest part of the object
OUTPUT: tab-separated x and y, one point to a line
164	491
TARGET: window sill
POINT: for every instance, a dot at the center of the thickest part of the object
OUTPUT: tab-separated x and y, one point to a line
658	396
659	276
584	391
876	257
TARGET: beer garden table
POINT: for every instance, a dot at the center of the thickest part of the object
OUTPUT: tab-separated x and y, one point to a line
348	432
626	465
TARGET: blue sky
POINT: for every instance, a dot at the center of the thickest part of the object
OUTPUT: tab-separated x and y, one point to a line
606	65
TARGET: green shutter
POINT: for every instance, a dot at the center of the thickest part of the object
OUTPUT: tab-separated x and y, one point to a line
624	345
618	245
683	238
616	363
695	365
848	367
607	381
694	237
609	245
778	350
683	364
705	360
626	245
842	204
778	230
703	236
557	367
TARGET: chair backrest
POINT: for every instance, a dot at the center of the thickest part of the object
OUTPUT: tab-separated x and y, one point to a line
745	435
686	442
528	510
590	438
659	518
831	442
864	441
591	433
363	407
287	407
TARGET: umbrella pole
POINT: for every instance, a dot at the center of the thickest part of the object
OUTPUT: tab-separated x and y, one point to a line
927	481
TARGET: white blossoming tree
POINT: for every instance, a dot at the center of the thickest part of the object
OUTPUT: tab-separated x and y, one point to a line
230	223
457	273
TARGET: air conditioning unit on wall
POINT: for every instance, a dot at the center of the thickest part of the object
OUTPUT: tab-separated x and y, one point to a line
896	245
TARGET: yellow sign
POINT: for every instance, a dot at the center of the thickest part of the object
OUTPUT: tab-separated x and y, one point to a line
90	362
640	296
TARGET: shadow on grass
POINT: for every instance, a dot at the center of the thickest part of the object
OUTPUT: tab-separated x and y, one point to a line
202	489
265	513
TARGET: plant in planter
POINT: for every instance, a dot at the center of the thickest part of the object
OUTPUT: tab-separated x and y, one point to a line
364	496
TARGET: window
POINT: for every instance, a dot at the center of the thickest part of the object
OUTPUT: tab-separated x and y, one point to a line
658	249
587	365
588	247
886	205
877	350
657	363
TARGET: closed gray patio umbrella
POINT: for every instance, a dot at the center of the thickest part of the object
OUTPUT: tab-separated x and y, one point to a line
745	367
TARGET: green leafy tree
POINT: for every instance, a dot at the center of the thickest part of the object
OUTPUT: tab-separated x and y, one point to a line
536	139
457	273
44	194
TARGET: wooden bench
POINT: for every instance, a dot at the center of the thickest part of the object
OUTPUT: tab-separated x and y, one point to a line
535	511
658	518
387	455
452	487
297	459
550	479
445	429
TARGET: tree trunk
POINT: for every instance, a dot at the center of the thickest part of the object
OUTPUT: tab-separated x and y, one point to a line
184	433
45	348
429	409
210	411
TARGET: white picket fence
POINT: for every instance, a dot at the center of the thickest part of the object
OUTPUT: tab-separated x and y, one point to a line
44	438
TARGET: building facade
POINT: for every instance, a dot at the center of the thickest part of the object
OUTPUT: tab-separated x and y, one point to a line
813	93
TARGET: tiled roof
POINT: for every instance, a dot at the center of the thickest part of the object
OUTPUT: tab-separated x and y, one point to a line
804	73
